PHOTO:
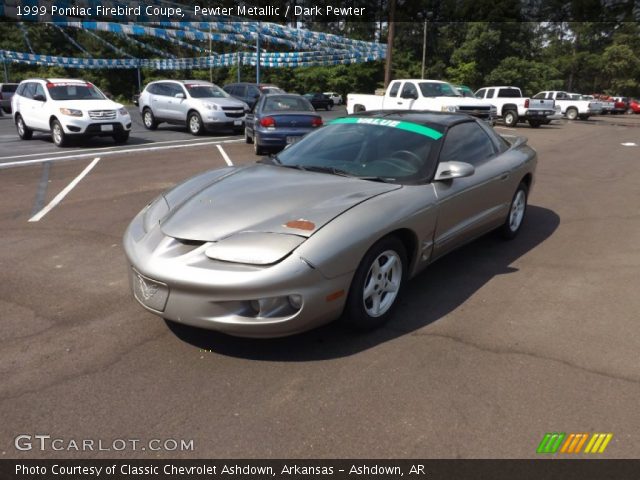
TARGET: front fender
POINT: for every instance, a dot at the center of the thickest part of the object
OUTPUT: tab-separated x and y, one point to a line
338	247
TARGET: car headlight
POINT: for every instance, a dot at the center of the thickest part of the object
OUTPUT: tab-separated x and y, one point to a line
71	112
123	111
254	248
155	212
449	108
211	106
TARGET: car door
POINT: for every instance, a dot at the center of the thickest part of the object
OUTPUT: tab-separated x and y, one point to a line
470	206
252	95
160	100
177	107
39	107
253	117
408	95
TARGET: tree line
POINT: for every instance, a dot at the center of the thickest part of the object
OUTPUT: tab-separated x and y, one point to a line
584	57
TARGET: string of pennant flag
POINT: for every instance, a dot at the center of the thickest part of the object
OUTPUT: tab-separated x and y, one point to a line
307	48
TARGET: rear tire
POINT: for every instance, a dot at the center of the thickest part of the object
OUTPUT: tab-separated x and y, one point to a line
376	285
584	117
510	118
517	211
57	134
257	149
24	132
535	123
572	113
149	119
329	106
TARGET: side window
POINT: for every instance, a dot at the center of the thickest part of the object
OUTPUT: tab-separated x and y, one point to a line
39	90
562	96
174	89
20	90
550	96
409	90
253	92
467	143
480	93
162	89
395	87
153	89
29	90
239	90
490	93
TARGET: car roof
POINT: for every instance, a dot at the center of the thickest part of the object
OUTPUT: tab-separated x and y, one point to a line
443	120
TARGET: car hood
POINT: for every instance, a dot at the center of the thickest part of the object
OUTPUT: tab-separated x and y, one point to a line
264	198
223	102
88	104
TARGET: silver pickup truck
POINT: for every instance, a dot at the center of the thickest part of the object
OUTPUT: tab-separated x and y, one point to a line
512	107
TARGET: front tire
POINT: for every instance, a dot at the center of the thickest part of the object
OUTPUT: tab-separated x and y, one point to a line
149	119
511	118
194	121
329	106
58	135
24	132
121	138
376	285
517	211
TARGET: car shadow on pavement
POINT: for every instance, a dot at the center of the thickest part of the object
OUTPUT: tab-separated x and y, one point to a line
451	280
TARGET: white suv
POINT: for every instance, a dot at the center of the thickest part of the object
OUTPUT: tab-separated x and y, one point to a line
67	108
195	103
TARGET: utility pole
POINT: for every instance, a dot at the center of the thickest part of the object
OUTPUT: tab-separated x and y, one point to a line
390	35
424	42
258	54
210	55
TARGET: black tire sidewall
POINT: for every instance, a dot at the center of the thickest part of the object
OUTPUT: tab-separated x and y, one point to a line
200	129
355	316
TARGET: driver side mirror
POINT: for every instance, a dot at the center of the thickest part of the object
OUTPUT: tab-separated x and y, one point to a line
179	95
451	170
39	98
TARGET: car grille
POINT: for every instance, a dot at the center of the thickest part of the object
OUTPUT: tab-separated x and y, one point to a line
102	114
233	112
480	112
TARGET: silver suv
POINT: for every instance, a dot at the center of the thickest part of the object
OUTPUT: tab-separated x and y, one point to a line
197	104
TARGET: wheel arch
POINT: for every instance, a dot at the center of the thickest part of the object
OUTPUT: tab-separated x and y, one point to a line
509	106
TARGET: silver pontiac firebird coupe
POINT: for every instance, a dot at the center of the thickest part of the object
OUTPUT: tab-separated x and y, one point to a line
332	226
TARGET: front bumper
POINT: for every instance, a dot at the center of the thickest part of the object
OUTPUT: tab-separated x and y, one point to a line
218	119
178	282
79	126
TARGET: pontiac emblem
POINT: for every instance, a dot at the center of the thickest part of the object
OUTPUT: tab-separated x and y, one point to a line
148	290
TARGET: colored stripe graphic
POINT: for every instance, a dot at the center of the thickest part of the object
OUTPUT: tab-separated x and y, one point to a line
551	442
598	442
574	443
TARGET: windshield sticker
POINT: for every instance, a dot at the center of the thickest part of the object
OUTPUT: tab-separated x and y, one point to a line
383	122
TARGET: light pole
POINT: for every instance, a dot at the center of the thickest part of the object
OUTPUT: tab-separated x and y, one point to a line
424	42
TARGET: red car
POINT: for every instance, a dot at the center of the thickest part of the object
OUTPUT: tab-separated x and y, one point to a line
621	104
634	106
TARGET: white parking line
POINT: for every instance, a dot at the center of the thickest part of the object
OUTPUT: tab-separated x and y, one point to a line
104	149
58	198
80	156
225	156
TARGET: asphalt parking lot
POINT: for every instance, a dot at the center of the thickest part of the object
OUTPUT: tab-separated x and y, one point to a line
490	348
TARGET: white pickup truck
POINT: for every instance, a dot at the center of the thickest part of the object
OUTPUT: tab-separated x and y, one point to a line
572	108
432	95
512	107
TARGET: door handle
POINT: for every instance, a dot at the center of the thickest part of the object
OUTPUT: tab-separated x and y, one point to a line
504	176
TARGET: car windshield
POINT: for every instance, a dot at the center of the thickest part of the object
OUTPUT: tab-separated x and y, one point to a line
465	91
374	149
286	104
435	89
205	91
74	91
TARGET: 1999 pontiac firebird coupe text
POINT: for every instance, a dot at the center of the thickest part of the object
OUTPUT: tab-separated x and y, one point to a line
332	226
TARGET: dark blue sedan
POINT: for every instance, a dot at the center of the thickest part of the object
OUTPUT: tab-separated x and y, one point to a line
278	120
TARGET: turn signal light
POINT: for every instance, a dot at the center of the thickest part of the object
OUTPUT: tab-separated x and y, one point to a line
526	103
